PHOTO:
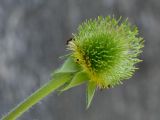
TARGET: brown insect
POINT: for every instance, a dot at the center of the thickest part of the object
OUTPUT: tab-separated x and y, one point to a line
70	39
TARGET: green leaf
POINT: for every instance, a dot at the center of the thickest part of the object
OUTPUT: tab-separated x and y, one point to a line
80	78
90	92
64	77
60	75
58	79
69	66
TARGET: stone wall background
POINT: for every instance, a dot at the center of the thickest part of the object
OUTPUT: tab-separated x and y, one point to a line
33	34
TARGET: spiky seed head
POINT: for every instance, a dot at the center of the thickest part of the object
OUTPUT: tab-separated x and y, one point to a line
107	49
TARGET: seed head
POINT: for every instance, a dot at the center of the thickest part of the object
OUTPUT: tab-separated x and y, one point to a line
107	50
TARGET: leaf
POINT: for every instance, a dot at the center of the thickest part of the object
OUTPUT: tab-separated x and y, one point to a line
78	79
69	66
61	79
60	89
90	92
58	79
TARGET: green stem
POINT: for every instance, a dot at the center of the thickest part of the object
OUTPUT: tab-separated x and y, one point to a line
42	92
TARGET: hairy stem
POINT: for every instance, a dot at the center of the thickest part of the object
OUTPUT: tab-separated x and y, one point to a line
42	92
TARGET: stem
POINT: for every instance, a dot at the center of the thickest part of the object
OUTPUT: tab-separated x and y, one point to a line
42	92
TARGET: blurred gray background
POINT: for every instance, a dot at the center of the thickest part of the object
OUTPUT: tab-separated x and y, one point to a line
33	35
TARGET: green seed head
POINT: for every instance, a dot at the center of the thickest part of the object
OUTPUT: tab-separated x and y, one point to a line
107	50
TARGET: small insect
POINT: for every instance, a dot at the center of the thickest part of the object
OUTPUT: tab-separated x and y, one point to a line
77	60
70	39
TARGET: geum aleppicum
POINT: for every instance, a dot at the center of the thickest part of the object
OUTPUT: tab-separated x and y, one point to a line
104	52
